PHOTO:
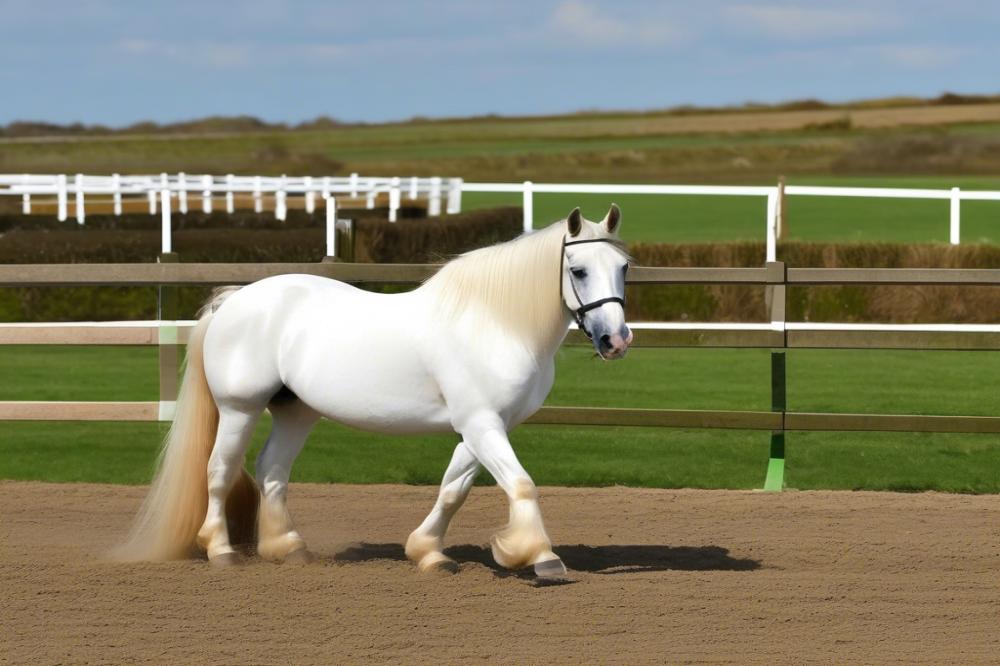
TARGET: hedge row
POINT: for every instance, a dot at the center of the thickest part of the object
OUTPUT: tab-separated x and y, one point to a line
261	239
208	238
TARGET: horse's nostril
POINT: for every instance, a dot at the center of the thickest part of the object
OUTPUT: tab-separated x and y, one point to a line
606	341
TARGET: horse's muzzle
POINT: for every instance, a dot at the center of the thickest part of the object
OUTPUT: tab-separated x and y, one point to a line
614	346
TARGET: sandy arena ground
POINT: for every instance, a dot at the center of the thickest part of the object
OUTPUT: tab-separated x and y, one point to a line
660	577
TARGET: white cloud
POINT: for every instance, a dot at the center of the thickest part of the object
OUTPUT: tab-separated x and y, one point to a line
587	23
919	57
807	22
217	55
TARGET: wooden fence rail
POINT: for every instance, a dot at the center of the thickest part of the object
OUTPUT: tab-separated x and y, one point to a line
776	334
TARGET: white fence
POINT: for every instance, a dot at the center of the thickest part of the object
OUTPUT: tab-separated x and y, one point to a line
161	190
773	196
206	188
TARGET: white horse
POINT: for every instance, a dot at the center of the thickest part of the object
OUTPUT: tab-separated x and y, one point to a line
470	351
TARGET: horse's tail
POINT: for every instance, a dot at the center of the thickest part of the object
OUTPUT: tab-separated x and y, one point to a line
166	527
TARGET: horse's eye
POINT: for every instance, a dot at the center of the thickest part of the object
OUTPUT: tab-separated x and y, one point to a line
625	269
578	273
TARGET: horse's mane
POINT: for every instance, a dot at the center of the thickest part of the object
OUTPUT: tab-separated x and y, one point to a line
514	284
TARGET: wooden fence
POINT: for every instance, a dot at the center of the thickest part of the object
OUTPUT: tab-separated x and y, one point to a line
776	334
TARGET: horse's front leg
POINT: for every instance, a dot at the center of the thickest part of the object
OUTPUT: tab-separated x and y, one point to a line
424	546
524	541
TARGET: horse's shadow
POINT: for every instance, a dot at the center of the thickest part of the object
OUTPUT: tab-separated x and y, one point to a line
604	560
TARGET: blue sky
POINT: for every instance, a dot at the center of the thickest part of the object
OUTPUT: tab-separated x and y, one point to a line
120	61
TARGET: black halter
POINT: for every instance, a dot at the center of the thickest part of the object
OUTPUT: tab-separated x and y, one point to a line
584	307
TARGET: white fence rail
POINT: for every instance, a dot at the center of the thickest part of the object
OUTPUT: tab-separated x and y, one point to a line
772	195
160	190
206	188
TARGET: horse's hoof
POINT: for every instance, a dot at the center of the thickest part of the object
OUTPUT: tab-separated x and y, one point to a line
550	569
299	556
436	563
230	559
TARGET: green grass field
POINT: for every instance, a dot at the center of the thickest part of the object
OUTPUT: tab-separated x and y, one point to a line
710	219
847	381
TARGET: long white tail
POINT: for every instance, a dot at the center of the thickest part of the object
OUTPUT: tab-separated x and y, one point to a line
168	521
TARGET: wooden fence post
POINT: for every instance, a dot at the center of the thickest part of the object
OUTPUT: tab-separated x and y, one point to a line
777	276
167	307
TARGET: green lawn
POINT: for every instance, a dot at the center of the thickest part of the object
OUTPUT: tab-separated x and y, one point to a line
847	381
703	219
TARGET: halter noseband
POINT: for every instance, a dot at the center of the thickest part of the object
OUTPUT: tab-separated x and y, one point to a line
584	307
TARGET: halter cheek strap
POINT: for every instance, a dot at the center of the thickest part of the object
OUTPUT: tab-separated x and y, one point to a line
584	307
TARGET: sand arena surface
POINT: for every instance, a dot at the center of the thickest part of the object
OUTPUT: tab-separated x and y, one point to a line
663	577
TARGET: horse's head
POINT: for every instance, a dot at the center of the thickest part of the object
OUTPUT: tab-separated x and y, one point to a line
594	263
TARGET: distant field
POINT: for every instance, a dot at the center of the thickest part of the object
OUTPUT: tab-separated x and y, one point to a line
697	219
750	146
848	381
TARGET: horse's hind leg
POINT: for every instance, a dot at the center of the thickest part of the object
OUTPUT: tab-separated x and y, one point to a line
426	542
278	540
224	468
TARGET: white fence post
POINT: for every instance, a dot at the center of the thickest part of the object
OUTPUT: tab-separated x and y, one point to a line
116	185
26	197
434	202
280	209
78	184
956	221
326	187
182	193
454	196
258	204
151	195
165	244
61	197
394	196
528	207
230	195
310	195
370	200
413	187
331	227
772	226
206	194
354	185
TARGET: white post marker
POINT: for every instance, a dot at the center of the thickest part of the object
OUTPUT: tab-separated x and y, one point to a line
310	195
413	187
394	196
61	196
956	221
454	196
206	194
230	196
772	226
116	185
151	195
331	227
326	187
434	202
165	244
528	208
25	198
258	204
182	193
354	185
78	185
370	200
280	208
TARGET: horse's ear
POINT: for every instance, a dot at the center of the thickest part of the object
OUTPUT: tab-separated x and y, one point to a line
613	219
574	222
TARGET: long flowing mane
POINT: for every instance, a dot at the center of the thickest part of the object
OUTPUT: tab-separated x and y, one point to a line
513	284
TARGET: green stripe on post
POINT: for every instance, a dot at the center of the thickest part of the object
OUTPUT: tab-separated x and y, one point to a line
775	479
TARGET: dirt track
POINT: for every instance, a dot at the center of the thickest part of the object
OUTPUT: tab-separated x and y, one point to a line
664	577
